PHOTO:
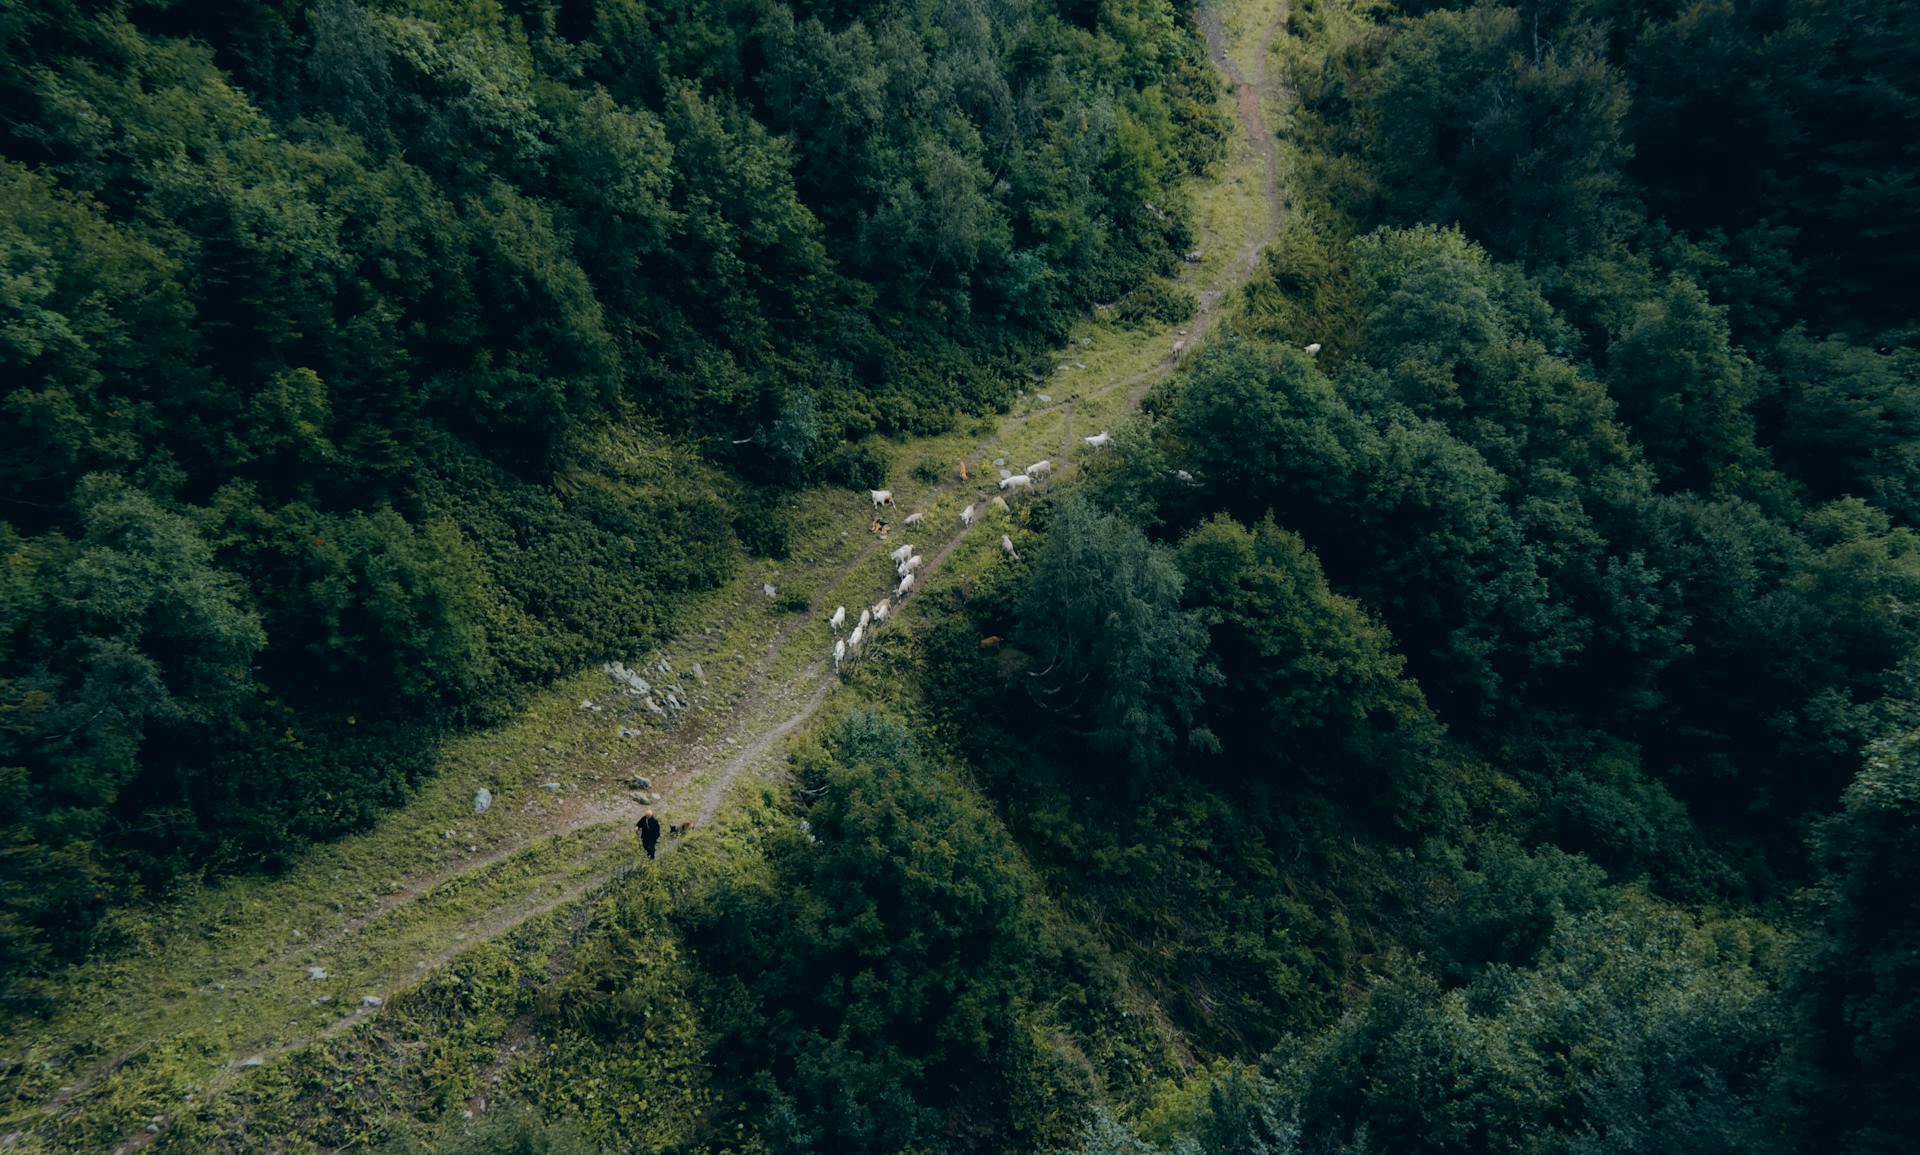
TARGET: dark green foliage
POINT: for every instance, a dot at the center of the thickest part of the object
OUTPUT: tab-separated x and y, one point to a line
1639	1030
516	1130
366	364
1859	1032
1113	656
881	986
1157	301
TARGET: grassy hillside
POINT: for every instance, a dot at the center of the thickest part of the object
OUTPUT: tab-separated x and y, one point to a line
1468	707
368	365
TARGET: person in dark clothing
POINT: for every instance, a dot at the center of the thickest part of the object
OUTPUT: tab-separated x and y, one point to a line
649	831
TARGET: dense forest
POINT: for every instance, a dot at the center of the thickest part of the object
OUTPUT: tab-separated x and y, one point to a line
1517	698
1497	730
367	364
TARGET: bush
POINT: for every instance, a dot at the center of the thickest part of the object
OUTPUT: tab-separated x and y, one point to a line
762	524
1156	302
861	466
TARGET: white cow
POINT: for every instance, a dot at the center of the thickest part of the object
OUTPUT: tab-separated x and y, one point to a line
906	583
1017	481
902	554
838	619
839	653
1006	547
1098	440
1039	469
880	497
966	516
853	641
1313	350
881	609
914	519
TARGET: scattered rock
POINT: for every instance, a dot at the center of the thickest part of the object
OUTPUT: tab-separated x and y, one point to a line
999	461
316	973
250	1064
1005	473
372	1001
482	798
587	704
297	936
219	986
153	1128
1193	256
699	674
1046	398
767	589
1079	364
629	678
1086	340
323	1000
640	782
629	732
550	787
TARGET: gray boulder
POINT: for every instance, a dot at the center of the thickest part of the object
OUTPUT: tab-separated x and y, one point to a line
482	799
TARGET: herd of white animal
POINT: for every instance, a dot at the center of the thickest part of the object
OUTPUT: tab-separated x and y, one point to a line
906	561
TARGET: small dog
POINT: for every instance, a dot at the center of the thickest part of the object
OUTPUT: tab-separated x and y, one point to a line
679	828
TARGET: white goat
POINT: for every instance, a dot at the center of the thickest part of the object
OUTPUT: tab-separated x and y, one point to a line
880	497
1039	469
838	619
902	554
906	583
881	609
1006	547
1098	440
853	641
914	519
966	517
1017	481
865	617
839	653
913	563
1313	350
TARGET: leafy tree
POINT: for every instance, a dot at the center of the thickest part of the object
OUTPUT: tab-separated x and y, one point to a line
1113	654
1858	1034
876	981
1302	667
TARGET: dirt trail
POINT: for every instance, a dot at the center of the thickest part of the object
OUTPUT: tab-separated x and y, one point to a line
713	756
